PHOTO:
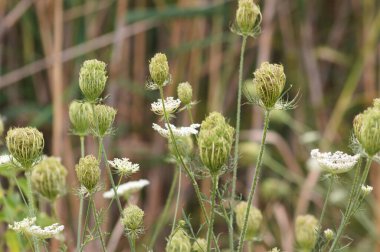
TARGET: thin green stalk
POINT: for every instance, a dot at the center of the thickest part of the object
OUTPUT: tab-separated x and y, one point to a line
213	199
31	207
182	162
331	181
190	114
80	216
177	200
349	211
97	225
255	181
236	147
85	225
164	215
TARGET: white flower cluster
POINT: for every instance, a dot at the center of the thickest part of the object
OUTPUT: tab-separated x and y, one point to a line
127	188
124	166
334	163
27	227
366	189
177	132
4	159
171	105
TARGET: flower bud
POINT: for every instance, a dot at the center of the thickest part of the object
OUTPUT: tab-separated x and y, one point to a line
367	130
49	178
185	92
80	117
103	119
215	142
92	79
306	231
254	219
269	81
159	69
246	16
200	245
133	221
88	172
329	234
25	145
179	241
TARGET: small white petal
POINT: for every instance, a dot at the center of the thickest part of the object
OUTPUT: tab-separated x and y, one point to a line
124	166
127	188
171	105
177	132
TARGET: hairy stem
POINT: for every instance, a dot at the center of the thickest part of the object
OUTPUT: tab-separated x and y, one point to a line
177	200
97	225
31	206
331	181
255	181
213	199
236	147
80	215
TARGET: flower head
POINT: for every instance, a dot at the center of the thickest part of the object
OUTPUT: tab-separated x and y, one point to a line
334	163
171	106
248	18
178	241
88	172
366	189
177	132
92	79
159	71
306	235
81	116
185	92
127	188
199	245
104	117
133	221
124	167
254	219
27	227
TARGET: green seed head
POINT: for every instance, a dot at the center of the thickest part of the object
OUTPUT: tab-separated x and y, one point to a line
25	145
104	117
133	221
200	245
367	130
306	231
254	219
179	241
269	81
80	117
215	142
185	92
246	16
159	69
49	178
92	79
88	172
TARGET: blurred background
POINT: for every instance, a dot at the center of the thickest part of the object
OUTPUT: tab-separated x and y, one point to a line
330	51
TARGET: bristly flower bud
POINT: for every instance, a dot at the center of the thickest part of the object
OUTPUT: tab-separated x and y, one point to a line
159	71
254	219
269	81
185	93
25	145
199	245
133	221
49	178
215	142
80	117
248	17
306	232
92	79
103	119
178	241
88	172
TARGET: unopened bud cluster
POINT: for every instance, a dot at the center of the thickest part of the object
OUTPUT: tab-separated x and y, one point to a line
88	172
247	17
159	71
306	235
255	218
80	114
185	92
104	117
92	79
179	241
133	221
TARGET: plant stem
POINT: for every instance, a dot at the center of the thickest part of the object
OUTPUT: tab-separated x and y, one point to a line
164	215
349	210
31	207
97	223
80	216
182	162
331	181
236	147
177	200
213	197
255	181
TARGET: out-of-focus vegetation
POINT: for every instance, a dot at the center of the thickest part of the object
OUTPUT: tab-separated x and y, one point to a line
330	51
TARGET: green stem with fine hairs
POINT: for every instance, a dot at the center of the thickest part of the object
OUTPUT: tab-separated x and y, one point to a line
213	200
164	215
236	147
331	181
97	225
177	200
349	210
183	164
31	206
255	181
80	216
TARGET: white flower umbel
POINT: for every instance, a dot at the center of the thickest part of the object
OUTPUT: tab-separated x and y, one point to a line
27	227
366	189
177	132
334	163
127	188
171	106
124	167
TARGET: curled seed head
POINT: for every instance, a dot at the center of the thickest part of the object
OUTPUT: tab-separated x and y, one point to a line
306	235
178	241
80	117
246	16
49	178
133	221
254	219
88	172
185	92
103	119
92	79
25	145
159	69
